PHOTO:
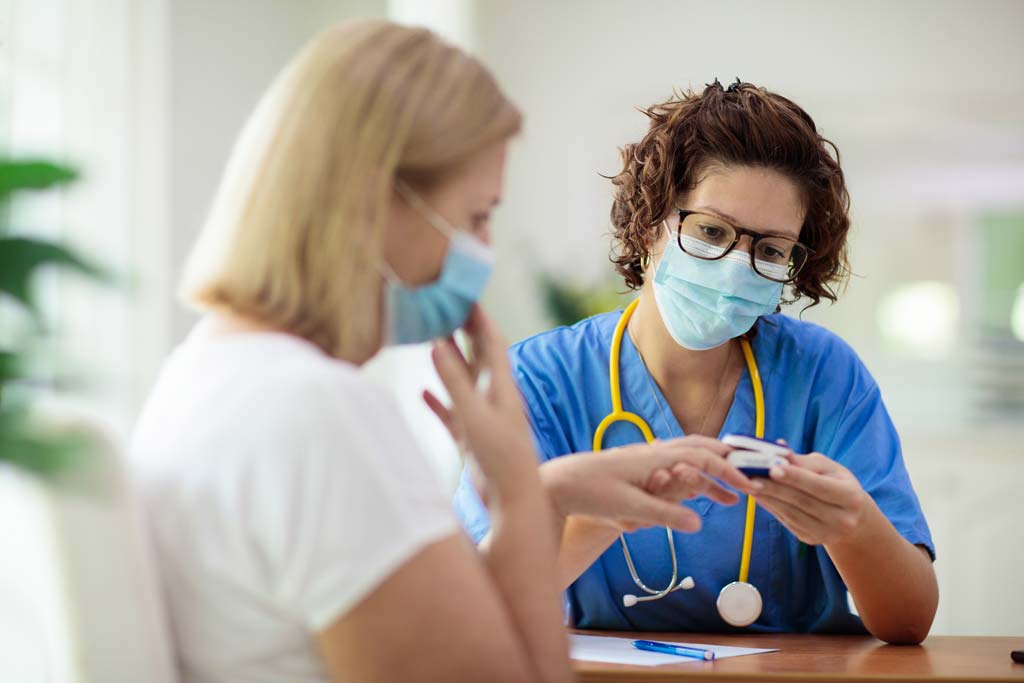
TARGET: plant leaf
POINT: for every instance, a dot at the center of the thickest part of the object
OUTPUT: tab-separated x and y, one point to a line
10	366
32	175
20	257
44	456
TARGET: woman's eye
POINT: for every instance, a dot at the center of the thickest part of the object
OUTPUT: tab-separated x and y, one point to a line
773	253
711	231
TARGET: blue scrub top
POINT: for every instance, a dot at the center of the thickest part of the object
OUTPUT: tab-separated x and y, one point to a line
818	396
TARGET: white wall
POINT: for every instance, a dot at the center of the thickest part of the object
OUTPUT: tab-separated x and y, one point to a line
888	82
223	55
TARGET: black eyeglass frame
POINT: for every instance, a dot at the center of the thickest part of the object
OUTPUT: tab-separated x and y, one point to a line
755	237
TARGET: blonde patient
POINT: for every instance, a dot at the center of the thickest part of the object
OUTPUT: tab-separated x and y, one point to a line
300	533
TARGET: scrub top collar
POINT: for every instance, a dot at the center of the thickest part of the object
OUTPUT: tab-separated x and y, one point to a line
639	396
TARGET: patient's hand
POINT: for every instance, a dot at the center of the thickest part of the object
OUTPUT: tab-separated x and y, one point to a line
641	485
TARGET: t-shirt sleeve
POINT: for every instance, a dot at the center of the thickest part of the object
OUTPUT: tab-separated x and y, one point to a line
865	442
344	505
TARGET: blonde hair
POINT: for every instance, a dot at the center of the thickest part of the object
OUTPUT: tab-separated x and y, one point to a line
294	235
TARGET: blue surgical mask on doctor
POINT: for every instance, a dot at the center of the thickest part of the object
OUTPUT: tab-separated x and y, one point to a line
706	303
437	309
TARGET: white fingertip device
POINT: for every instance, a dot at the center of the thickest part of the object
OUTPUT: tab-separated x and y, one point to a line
754	457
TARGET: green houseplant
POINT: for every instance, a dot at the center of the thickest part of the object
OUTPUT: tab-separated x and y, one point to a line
25	440
567	302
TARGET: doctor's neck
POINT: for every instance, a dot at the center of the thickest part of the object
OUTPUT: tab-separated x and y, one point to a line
673	366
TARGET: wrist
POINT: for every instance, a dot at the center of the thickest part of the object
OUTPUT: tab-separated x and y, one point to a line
516	482
553	483
865	530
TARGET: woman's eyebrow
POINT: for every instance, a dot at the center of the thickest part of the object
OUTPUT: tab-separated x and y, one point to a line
720	214
724	215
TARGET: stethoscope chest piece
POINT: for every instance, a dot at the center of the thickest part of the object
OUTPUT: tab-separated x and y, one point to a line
739	604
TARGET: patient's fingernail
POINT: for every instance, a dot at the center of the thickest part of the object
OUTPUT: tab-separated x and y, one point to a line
756	485
777	472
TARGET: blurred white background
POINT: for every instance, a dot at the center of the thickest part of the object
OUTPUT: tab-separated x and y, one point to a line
924	99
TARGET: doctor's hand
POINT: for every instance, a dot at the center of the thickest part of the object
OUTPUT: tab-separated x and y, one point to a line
486	418
641	485
816	498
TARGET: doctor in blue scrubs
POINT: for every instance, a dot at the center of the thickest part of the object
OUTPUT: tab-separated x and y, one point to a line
731	206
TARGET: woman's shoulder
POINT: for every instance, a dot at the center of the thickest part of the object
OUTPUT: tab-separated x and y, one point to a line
807	348
282	368
255	395
790	333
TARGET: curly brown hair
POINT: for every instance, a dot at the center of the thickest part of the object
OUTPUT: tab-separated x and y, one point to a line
743	125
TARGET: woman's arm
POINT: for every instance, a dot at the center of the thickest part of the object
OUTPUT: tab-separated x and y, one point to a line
583	541
439	617
520	557
891	580
521	563
451	613
597	496
600	495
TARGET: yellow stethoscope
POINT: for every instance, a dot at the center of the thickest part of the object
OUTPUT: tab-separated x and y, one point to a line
739	603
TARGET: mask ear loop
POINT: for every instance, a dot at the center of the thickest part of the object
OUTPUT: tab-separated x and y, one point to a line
648	258
388	273
434	218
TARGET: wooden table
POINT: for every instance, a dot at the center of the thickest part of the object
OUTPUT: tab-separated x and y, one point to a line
824	658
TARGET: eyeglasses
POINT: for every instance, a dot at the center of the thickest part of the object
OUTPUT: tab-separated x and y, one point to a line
710	238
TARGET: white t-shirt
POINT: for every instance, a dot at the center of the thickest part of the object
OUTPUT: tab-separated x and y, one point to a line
280	487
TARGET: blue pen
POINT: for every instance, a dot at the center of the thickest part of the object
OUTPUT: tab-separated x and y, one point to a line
670	649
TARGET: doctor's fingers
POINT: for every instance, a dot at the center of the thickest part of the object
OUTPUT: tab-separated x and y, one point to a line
825	513
815	462
803	526
827	487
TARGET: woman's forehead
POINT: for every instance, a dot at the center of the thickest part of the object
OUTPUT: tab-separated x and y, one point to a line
760	199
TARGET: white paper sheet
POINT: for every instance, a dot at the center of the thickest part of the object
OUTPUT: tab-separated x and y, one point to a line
621	651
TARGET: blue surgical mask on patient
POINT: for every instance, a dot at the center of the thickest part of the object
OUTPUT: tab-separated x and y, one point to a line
437	309
705	303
